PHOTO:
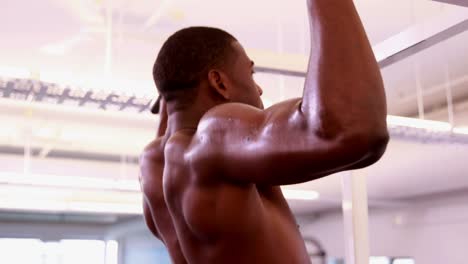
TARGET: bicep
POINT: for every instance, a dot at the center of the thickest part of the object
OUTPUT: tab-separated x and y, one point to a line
290	158
277	146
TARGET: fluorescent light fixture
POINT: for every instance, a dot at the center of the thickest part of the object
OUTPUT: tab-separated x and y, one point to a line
114	208
66	206
347	205
69	182
379	260
32	205
300	194
14	72
418	123
403	261
45	193
461	130
20	198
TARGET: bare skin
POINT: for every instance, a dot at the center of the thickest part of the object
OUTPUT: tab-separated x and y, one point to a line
211	177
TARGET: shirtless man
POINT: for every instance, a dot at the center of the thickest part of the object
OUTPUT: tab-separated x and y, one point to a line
211	177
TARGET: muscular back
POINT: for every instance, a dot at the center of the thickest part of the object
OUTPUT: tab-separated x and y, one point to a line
157	216
215	221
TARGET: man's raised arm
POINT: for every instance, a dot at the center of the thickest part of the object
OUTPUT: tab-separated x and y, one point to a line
339	124
343	88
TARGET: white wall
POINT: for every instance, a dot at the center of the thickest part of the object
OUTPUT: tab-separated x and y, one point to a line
433	231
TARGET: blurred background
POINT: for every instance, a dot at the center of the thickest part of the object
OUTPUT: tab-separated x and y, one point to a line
76	85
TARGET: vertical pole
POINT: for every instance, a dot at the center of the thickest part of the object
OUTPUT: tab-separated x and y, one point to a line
28	141
355	216
123	167
448	92
108	51
280	46
419	91
27	154
122	252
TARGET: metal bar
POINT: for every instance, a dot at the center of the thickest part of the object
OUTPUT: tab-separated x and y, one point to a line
448	92
27	152
108	51
419	91
403	45
421	37
454	2
45	151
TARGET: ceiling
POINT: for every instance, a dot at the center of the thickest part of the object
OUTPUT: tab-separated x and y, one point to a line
111	45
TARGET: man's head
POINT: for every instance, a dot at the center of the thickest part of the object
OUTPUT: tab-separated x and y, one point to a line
205	60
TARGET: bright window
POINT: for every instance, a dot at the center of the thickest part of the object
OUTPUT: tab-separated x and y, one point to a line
59	252
379	260
403	261
21	251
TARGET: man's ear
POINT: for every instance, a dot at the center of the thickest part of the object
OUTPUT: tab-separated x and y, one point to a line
218	81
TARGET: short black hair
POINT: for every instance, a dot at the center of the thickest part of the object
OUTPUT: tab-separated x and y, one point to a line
186	57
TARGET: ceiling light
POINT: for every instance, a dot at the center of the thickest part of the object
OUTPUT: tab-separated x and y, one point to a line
300	194
347	205
114	208
69	182
23	198
43	205
32	205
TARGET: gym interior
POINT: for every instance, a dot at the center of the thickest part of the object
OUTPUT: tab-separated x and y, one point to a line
75	97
